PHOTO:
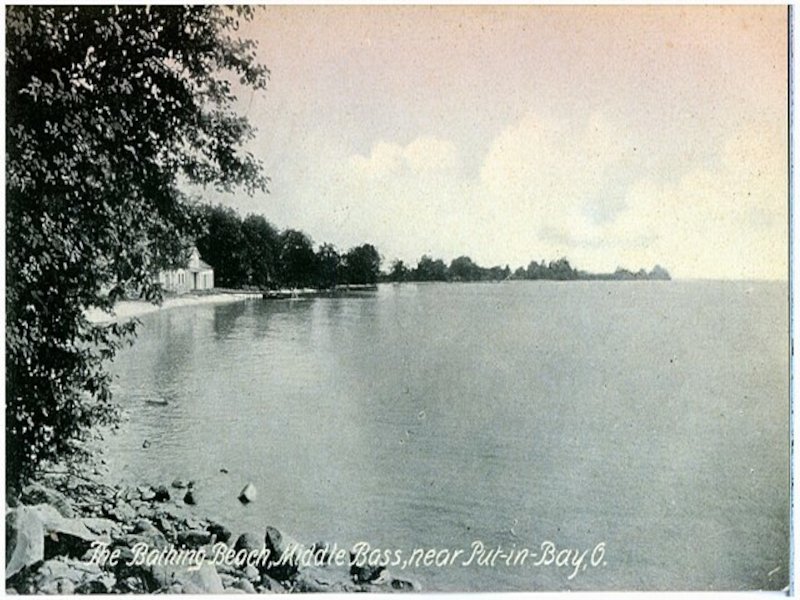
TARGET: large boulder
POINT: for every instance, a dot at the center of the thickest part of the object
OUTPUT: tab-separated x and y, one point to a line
280	565
65	536
220	532
249	542
24	539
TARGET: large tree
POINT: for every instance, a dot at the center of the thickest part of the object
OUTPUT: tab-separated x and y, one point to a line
298	263
260	251
108	109
362	264
222	244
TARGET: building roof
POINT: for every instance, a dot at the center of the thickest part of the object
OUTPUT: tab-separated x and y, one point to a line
201	266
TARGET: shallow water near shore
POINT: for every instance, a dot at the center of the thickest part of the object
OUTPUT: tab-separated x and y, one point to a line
651	417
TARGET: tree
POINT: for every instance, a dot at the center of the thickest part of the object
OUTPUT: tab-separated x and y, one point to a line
260	251
363	264
463	269
328	265
107	109
296	259
399	272
430	270
223	245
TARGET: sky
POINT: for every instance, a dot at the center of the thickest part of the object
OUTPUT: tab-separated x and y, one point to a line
615	136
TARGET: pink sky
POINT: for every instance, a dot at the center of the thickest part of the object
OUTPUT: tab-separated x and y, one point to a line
612	135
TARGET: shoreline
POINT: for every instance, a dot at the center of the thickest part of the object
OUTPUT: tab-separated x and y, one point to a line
127	309
69	533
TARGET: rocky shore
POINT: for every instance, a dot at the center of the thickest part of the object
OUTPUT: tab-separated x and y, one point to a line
70	534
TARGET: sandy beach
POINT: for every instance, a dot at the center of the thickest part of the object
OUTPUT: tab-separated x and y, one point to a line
136	308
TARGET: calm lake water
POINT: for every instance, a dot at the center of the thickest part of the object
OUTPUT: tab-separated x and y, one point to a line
648	416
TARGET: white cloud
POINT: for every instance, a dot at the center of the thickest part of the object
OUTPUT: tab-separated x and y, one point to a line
581	188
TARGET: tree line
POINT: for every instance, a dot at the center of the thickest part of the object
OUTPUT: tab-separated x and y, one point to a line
464	268
250	252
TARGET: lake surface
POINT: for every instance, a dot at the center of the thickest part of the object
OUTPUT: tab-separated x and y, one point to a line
652	417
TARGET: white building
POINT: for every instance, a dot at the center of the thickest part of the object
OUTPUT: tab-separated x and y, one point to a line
197	275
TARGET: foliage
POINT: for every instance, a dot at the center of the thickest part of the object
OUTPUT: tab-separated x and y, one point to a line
430	270
107	109
399	272
296	258
362	264
260	251
328	266
223	245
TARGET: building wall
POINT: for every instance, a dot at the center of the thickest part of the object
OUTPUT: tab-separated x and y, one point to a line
181	281
196	276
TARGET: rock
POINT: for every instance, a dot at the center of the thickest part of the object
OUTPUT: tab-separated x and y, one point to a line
68	576
249	542
164	525
204	580
189	498
122	512
143	526
161	494
248	494
404	585
38	494
146	492
321	551
278	544
220	532
152	539
24	539
223	470
245	586
62	535
179	484
318	579
227	580
145	444
100	526
269	584
365	573
194	538
251	573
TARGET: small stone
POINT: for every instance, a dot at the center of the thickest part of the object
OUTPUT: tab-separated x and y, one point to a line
161	494
405	585
143	525
194	539
364	573
179	484
248	494
189	498
245	586
251	573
